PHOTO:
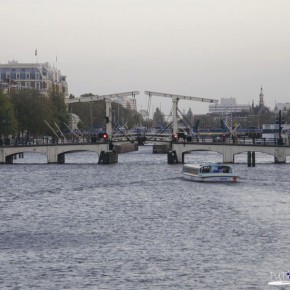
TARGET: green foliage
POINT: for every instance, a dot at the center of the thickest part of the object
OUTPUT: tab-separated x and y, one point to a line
61	115
158	119
188	119
31	109
92	114
80	125
7	117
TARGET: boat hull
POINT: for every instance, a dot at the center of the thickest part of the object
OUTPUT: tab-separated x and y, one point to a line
210	172
212	178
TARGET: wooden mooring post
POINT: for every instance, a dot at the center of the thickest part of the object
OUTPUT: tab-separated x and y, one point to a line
251	159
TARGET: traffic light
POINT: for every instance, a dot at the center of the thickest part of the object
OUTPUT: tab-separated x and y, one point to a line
103	136
175	137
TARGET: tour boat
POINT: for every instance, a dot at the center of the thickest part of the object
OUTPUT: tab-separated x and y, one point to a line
209	172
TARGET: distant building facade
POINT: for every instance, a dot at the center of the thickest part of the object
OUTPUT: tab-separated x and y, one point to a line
124	101
261	98
39	76
283	107
227	106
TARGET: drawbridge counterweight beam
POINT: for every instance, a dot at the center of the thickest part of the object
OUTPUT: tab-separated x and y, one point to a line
175	98
108	99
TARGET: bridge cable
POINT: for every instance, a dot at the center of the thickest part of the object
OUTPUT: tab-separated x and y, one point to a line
52	129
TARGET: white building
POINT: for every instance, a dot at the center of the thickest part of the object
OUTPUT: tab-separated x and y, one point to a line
284	107
39	76
74	120
228	105
124	101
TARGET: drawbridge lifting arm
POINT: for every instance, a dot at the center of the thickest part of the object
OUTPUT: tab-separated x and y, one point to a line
175	98
101	97
108	99
181	97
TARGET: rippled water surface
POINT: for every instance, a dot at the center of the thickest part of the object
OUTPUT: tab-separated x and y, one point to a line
138	225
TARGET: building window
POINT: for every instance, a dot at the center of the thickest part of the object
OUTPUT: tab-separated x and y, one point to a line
7	76
18	76
37	76
27	75
27	84
37	84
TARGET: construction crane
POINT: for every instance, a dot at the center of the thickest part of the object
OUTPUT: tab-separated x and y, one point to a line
175	98
108	99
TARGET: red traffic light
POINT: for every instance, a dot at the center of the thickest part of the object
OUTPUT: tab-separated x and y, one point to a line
175	137
103	136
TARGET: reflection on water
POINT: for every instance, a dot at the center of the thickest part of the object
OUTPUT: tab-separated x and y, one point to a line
138	225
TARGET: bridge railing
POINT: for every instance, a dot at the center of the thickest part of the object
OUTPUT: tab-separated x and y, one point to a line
192	140
48	141
237	141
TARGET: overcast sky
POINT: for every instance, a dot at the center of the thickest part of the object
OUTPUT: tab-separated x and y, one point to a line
202	48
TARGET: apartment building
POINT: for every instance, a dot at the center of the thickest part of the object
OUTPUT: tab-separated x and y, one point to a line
39	76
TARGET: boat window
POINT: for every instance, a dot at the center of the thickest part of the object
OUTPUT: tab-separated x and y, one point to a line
205	169
217	169
190	170
226	169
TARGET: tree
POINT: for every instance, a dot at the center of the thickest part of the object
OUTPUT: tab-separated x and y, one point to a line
187	119
90	113
61	115
7	117
158	119
31	110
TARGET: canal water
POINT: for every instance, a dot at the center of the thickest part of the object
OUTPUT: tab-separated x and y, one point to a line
138	225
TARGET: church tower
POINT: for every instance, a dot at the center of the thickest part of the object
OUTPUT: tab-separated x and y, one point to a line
261	101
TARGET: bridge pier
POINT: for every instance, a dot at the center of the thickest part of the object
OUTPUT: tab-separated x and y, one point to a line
52	156
280	156
9	159
172	157
2	158
228	155
61	158
251	159
109	157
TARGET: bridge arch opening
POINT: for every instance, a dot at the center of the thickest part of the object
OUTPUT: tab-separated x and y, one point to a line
199	156
260	157
81	157
213	156
28	158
